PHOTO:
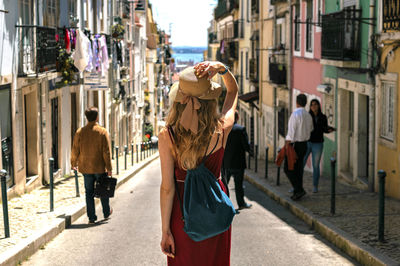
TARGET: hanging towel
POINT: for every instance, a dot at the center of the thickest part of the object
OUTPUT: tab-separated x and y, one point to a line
67	41
80	55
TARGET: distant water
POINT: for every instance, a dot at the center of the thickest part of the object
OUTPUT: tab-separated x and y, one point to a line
187	57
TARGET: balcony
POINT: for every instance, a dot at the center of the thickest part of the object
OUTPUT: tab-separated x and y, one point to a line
341	37
225	7
391	15
277	69
254	70
37	49
140	5
212	37
255	6
238	29
233	50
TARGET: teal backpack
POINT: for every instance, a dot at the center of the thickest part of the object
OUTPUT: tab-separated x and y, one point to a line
207	210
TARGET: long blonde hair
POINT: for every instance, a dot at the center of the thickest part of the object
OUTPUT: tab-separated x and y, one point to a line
190	148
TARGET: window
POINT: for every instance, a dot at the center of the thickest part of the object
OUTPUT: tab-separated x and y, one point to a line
72	8
309	21
25	12
280	31
388	105
247	65
297	27
51	14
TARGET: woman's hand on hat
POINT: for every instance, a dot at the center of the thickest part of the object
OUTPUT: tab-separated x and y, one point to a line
208	68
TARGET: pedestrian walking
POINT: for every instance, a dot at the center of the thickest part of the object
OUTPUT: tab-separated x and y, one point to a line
192	123
315	144
91	156
235	160
299	131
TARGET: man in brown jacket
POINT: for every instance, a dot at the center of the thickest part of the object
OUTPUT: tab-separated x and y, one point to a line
91	154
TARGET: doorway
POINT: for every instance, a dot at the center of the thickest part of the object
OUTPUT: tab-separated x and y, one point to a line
31	135
6	133
353	135
54	132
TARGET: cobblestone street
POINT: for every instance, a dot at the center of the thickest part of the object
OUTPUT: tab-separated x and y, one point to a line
356	210
30	213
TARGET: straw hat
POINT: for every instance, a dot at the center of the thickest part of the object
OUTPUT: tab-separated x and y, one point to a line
188	90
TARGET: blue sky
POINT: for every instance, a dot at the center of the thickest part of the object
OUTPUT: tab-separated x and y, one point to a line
189	20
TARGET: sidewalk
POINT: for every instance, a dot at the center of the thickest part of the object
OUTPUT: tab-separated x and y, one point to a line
354	227
32	224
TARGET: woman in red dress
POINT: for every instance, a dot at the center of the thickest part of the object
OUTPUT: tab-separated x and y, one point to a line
194	129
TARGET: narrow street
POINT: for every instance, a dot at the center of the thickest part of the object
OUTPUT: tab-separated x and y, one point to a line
266	234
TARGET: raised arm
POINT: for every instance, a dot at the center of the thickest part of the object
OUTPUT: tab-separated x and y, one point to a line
230	103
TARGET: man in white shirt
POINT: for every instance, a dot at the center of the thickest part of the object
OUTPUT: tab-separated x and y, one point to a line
299	131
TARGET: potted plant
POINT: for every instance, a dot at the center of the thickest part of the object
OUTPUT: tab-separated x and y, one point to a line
118	31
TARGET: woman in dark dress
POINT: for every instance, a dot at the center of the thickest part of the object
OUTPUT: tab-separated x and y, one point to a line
315	144
192	123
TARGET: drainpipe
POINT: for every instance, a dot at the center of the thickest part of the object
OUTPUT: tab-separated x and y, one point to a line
289	74
260	79
81	87
275	91
111	76
372	105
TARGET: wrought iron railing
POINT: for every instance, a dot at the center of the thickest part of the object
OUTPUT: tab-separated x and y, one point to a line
140	5
238	29
253	69
341	35
391	15
37	49
212	37
225	7
233	50
277	68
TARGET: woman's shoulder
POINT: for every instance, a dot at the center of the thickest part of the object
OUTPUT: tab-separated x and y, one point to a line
164	135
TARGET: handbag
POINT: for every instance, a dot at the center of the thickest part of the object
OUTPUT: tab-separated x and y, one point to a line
206	209
104	186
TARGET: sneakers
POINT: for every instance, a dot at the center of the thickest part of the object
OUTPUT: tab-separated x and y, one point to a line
315	190
92	222
245	206
298	195
108	216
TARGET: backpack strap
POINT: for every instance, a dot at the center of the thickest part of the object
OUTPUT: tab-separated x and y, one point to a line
171	134
179	197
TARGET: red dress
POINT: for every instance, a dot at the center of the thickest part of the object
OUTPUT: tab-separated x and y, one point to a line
209	252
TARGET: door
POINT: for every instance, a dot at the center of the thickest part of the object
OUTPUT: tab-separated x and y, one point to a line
31	135
362	145
6	133
74	116
350	132
54	131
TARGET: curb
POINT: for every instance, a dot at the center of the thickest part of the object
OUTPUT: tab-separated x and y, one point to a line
361	252
37	240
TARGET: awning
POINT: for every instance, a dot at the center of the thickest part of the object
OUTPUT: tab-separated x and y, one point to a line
249	97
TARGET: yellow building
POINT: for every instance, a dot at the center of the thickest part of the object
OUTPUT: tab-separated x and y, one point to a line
387	95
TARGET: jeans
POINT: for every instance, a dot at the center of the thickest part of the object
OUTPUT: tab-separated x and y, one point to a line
89	189
296	175
238	178
316	149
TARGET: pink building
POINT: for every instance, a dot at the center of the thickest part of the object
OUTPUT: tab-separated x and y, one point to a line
306	67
